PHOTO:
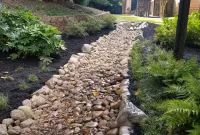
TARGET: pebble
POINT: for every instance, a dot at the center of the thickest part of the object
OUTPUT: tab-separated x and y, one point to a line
91	124
112	132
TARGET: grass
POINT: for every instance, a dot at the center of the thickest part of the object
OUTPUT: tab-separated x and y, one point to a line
132	18
23	86
32	78
3	102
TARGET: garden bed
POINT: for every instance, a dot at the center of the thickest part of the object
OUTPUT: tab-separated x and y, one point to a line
20	69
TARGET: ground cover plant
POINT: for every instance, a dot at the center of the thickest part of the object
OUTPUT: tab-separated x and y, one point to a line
166	32
167	90
24	35
92	26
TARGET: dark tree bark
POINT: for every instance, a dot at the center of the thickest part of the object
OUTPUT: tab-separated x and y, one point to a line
181	30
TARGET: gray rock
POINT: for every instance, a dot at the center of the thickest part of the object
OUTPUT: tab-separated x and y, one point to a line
27	111
112	132
97	113
77	130
18	115
102	124
14	130
27	123
86	48
61	71
26	102
3	129
8	121
38	100
91	124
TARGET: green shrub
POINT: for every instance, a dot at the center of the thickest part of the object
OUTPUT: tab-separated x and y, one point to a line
24	34
109	21
166	32
167	91
77	29
3	102
32	78
23	85
93	26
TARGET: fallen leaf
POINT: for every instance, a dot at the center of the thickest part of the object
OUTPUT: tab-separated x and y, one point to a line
96	93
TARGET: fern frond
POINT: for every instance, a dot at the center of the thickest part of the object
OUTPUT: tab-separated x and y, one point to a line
178	112
195	131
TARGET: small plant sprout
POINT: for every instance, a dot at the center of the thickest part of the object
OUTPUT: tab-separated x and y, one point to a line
23	86
3	101
32	78
19	69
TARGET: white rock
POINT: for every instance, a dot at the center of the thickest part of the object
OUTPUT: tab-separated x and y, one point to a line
86	48
38	100
91	124
27	111
18	115
73	60
7	122
61	71
26	102
14	130
27	123
3	129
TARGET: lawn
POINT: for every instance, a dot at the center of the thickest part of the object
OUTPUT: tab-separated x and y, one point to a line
133	18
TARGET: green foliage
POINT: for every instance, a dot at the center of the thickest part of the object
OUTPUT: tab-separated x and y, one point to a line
93	26
25	35
19	69
166	32
167	90
77	29
32	78
23	85
109	21
3	102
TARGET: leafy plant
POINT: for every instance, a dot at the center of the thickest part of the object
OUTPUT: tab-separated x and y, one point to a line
93	26
3	102
109	21
24	34
166	32
19	69
32	78
23	85
77	29
167	90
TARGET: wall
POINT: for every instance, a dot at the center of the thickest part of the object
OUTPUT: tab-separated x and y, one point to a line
194	5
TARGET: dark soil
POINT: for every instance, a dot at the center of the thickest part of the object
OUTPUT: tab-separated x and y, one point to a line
31	66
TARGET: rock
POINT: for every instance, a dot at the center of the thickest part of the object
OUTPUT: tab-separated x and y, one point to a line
27	111
102	124
77	130
44	90
25	131
113	124
51	83
73	60
27	123
60	126
61	71
3	129
77	109
91	124
115	105
87	119
131	28
97	102
38	100
18	115
8	122
97	113
112	132
26	102
100	133
98	108
124	130
69	132
76	125
86	48
14	130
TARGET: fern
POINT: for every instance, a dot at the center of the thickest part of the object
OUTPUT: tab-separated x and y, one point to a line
195	131
179	112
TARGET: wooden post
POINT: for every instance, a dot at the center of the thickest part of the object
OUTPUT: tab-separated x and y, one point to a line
181	30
